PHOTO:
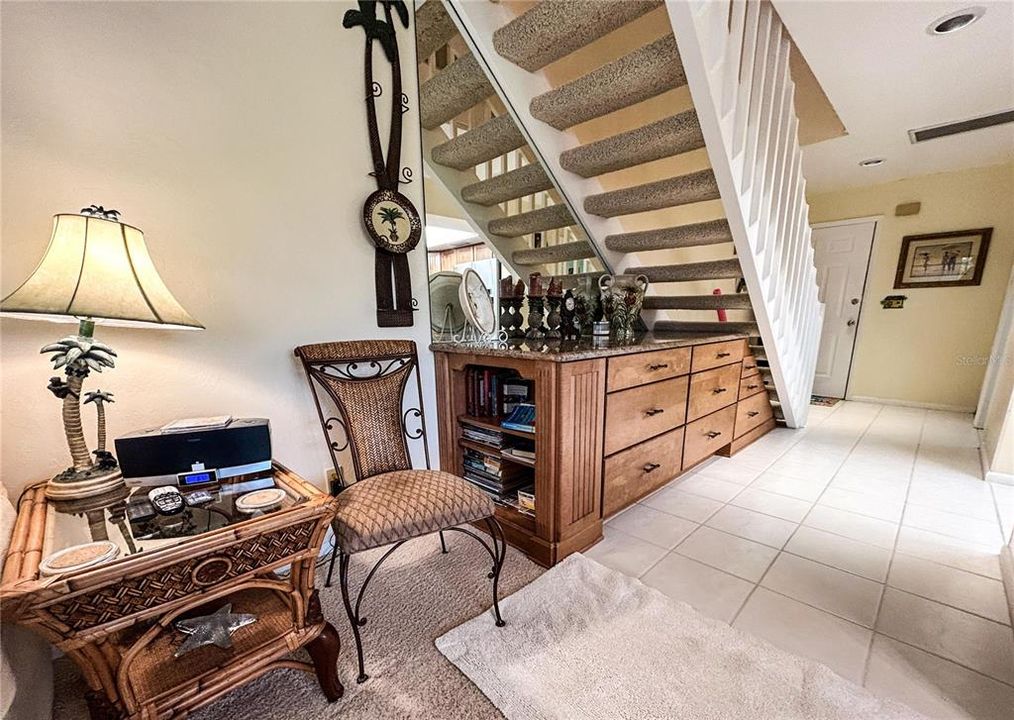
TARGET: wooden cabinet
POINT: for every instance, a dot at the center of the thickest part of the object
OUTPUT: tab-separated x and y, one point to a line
610	428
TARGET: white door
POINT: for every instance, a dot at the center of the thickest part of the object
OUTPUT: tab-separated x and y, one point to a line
842	255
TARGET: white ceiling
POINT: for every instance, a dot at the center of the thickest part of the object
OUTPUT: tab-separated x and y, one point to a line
885	75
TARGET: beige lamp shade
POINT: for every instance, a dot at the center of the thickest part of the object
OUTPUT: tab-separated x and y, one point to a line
97	268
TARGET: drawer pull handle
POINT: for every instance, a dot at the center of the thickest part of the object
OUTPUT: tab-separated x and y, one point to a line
752	387
654	411
753	413
719	390
749	367
713	434
658	366
651	467
723	354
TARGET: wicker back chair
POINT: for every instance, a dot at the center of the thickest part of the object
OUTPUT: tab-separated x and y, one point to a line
389	503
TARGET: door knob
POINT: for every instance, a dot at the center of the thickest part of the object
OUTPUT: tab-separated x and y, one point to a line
854	301
850	323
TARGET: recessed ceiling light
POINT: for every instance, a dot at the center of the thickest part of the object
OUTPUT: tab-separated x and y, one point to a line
955	21
872	162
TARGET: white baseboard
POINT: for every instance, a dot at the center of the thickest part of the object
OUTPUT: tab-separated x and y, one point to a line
910	403
1000	478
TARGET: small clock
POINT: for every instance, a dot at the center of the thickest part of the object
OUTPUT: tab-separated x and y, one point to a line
392	221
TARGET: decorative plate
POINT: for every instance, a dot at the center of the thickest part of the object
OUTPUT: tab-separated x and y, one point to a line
392	221
446	314
79	557
260	500
476	303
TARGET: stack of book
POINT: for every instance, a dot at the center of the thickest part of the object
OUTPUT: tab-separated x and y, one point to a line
482	435
485	472
493	393
522	419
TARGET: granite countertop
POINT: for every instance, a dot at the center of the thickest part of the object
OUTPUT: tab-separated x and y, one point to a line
586	348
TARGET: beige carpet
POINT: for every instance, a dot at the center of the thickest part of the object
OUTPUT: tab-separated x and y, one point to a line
588	642
416	596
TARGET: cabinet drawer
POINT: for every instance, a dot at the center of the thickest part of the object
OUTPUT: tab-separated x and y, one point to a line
707	435
631	370
713	390
716	354
751	412
750	366
750	385
637	471
646	411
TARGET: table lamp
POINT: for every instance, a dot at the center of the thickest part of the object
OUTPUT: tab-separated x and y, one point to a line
95	270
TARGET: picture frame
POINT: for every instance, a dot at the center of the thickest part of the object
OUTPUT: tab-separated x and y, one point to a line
945	259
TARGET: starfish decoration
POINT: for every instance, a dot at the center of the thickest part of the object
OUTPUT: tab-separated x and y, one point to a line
214	629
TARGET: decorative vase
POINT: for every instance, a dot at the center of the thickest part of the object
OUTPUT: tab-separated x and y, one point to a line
622	297
587	303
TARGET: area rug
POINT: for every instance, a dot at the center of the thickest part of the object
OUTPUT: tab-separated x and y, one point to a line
824	401
418	595
584	641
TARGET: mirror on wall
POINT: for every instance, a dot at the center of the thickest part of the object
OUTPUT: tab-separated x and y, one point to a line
490	207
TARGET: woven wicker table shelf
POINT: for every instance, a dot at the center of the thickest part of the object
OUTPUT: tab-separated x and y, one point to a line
115	620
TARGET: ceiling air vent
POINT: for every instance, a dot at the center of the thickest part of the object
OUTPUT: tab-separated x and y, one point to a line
938	131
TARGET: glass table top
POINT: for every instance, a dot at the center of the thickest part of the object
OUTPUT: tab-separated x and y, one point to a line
129	519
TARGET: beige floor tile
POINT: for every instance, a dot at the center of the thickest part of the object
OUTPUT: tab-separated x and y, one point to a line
943	549
782	506
742	558
855	527
625	553
652	526
686	505
730	470
806	631
803	489
950	586
838	592
962	497
933	686
983	532
967	639
712	592
805	469
874	506
721	490
852	556
889	490
752	525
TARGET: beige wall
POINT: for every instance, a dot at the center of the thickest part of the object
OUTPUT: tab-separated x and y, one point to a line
934	351
234	135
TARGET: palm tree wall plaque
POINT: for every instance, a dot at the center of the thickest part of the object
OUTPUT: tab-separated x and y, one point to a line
394	284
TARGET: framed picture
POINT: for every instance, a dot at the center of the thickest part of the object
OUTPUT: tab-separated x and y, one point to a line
949	259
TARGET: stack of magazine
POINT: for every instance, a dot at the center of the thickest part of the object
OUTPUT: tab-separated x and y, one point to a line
485	436
485	472
522	418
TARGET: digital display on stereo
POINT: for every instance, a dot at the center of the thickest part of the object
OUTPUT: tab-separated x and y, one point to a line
199	477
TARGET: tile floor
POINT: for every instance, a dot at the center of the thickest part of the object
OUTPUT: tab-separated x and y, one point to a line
867	541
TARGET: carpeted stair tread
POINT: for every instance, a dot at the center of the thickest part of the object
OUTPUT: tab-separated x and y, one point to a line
712	232
526	223
670	192
455	89
578	250
551	30
526	180
670	136
644	73
686	272
688	326
433	28
492	139
735	301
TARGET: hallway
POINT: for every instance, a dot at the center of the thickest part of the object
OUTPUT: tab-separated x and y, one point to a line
867	541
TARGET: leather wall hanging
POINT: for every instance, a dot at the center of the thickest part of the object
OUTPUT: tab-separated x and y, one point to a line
391	221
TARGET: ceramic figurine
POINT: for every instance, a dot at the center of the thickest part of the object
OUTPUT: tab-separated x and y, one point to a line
570	327
622	297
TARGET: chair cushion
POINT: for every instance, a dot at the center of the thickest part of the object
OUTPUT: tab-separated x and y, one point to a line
405	504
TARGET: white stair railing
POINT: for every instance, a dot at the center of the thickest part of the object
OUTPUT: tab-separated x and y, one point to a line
736	57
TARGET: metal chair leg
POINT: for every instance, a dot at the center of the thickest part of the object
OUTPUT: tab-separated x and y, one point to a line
500	554
330	567
443	543
343	579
